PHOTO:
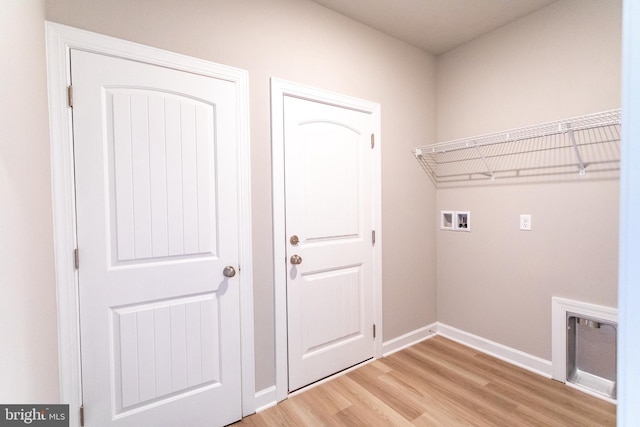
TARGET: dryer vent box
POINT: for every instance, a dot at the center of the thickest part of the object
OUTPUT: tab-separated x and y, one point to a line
591	354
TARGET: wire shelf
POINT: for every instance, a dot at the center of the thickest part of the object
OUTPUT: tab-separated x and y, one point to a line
565	149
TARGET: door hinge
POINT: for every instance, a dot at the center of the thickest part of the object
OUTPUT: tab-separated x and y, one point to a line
76	258
82	416
70	95
373	141
373	237
374	330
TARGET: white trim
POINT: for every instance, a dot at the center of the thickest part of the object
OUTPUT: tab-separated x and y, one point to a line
60	40
629	244
279	89
591	393
508	354
407	340
64	237
559	309
266	399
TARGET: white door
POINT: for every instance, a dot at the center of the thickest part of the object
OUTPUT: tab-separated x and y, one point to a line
155	164
328	189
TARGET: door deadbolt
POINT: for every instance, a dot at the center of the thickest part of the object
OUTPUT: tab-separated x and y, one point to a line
229	271
294	240
296	259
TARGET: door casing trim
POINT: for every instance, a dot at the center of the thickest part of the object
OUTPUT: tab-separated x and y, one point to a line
279	89
60	40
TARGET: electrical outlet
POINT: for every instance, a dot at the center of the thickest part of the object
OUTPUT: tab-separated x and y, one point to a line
525	222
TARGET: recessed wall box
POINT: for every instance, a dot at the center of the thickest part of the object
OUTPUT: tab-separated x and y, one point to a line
462	221
446	220
591	354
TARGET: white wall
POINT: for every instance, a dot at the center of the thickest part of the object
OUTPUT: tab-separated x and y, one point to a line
497	282
28	337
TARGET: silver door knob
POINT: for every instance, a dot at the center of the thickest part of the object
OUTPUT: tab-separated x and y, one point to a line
229	271
296	259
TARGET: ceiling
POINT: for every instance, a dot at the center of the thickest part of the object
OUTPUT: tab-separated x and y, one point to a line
435	26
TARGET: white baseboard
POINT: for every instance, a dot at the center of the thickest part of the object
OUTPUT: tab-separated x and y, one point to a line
508	354
266	398
409	339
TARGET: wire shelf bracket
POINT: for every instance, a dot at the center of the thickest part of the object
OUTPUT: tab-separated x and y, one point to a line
583	170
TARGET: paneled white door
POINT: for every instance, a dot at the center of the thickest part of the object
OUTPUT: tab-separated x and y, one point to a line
156	185
329	217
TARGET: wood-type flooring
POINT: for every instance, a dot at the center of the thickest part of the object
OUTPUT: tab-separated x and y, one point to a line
438	383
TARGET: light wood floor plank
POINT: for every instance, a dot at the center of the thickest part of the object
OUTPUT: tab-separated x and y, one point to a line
438	383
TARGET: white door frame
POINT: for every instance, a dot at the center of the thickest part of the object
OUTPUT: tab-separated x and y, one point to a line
629	270
60	40
280	89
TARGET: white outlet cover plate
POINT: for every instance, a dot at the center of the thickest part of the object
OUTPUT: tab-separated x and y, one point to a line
525	222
